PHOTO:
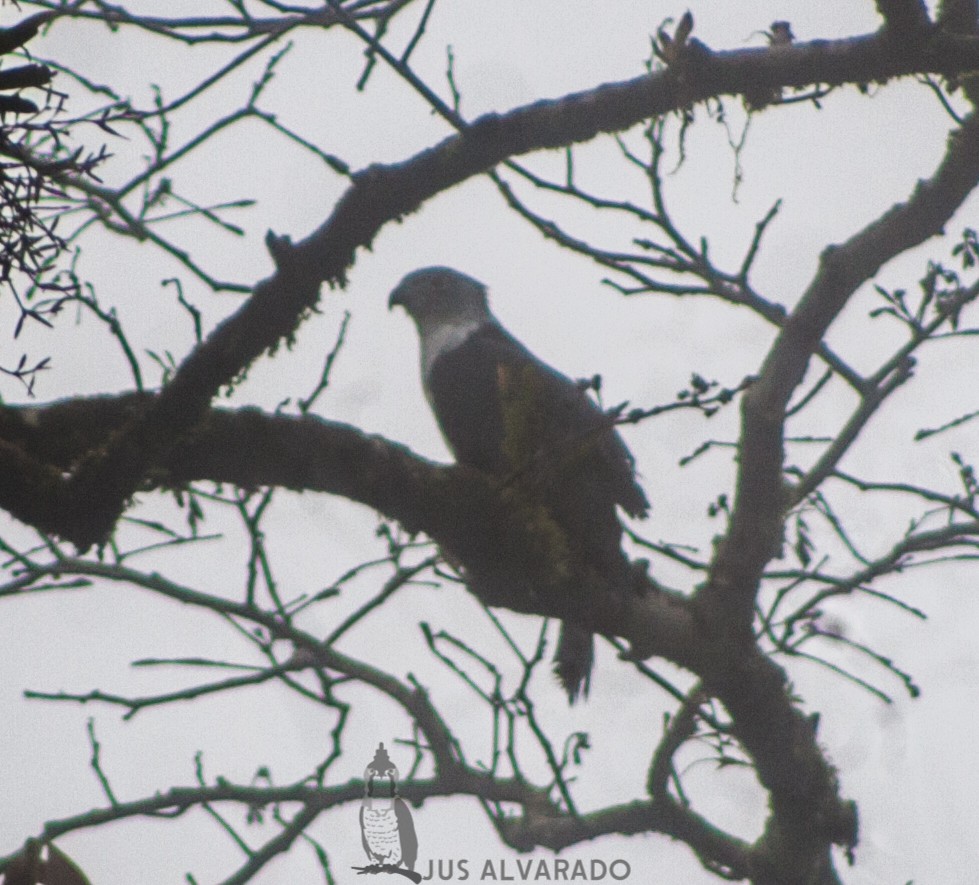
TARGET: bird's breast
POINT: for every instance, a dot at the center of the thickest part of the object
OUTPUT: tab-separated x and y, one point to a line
441	339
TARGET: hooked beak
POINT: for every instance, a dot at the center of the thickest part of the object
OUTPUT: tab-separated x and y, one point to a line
397	298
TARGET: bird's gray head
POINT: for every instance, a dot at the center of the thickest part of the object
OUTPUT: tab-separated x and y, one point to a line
440	296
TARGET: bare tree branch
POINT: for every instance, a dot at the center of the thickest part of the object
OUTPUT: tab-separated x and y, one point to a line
756	524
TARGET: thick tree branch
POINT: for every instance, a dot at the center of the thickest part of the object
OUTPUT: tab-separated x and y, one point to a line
96	492
508	561
755	533
804	791
556	833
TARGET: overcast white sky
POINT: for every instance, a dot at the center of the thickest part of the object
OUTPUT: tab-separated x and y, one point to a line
909	765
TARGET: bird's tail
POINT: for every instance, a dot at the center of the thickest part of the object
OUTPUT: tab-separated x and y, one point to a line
573	660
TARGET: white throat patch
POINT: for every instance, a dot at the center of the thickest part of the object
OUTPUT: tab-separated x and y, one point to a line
441	338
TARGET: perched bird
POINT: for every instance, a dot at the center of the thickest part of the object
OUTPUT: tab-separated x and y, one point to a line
503	411
386	827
